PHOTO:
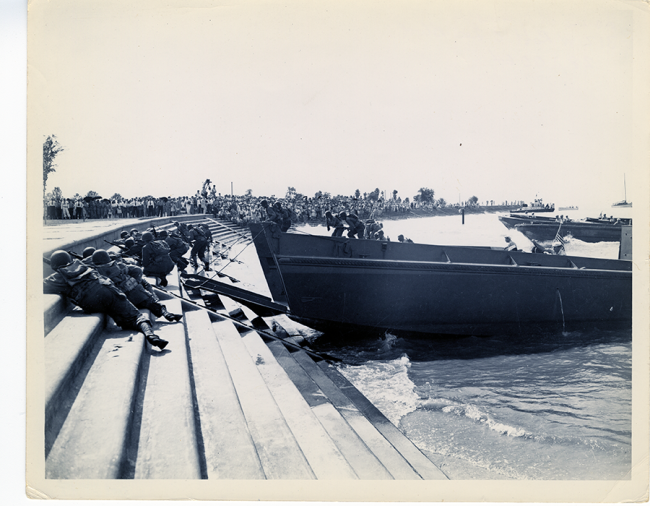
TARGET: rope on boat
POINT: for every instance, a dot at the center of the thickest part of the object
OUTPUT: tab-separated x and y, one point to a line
270	335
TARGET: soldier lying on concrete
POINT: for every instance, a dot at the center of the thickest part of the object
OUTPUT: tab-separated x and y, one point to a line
95	293
128	278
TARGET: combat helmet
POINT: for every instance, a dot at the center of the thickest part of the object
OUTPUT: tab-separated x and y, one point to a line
60	259
100	257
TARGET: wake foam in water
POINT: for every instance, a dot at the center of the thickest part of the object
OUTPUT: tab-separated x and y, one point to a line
386	384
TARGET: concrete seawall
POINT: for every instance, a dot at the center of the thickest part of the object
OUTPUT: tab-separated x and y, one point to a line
233	396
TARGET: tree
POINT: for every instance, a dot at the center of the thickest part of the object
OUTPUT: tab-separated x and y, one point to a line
473	200
424	195
357	193
374	195
117	196
442	202
51	148
291	193
394	194
92	194
57	193
249	193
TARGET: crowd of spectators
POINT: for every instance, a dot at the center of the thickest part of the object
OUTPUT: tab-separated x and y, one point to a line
239	209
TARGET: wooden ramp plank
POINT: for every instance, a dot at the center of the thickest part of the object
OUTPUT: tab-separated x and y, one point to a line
277	448
229	449
322	454
92	441
168	446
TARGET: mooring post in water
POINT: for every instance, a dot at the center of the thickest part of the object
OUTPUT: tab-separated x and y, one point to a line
462	212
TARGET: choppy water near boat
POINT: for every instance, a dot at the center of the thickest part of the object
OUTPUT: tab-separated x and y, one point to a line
555	406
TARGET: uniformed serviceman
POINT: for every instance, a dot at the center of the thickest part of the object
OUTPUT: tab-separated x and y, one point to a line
177	248
156	261
126	278
357	227
335	223
95	293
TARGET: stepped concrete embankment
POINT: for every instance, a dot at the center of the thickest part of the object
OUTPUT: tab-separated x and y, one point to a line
233	396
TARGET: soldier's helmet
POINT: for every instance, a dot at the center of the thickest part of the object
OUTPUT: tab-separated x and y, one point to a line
88	252
147	237
162	234
60	259
100	257
264	203
129	243
124	234
134	231
342	215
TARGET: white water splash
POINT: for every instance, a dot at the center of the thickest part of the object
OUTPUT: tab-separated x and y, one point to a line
474	413
386	385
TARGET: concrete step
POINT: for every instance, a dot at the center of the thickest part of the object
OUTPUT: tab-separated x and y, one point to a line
420	463
397	466
168	445
68	349
55	307
277	448
101	417
364	463
227	443
321	452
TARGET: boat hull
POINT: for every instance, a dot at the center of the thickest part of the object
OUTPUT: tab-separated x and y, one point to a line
438	289
546	230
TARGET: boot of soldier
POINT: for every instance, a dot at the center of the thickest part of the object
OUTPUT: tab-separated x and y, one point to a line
172	317
207	266
152	338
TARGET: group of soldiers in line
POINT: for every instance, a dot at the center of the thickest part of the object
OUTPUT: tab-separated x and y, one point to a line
101	281
340	222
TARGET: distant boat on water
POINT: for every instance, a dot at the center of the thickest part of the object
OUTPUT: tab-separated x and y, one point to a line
536	207
590	230
568	208
624	202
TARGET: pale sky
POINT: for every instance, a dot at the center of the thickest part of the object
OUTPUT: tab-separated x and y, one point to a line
502	99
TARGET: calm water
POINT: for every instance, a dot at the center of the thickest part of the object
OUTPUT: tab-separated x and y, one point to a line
556	406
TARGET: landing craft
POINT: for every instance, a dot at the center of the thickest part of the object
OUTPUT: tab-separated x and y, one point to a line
417	288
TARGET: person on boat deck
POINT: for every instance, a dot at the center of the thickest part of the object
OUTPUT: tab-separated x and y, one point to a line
269	213
335	223
357	227
511	246
95	293
285	217
156	261
401	238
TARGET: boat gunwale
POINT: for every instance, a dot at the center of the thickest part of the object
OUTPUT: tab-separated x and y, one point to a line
442	265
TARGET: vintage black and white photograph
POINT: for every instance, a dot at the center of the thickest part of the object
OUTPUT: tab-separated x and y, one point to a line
338	241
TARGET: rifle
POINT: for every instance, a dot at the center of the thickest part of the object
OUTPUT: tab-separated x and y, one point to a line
121	246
